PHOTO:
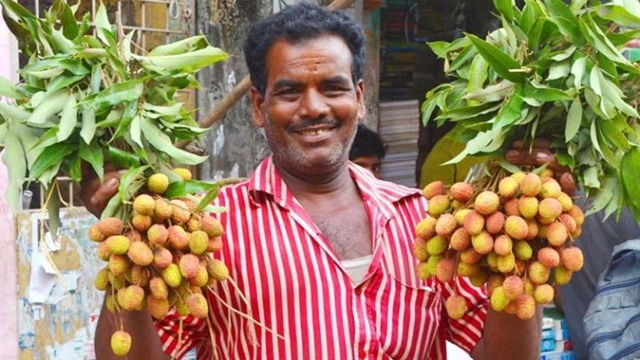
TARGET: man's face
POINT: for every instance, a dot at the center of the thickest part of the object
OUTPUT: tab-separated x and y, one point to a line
371	163
311	107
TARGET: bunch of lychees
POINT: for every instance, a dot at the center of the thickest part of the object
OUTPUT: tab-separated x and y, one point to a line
515	233
160	258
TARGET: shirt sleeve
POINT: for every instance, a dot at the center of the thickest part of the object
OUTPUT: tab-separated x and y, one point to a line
179	335
467	331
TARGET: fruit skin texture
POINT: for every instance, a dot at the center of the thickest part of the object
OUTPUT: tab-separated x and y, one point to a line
110	226
120	343
487	202
525	307
144	204
456	306
572	258
140	253
158	183
461	191
197	305
433	188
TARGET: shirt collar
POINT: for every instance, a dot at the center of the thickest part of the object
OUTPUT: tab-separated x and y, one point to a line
266	182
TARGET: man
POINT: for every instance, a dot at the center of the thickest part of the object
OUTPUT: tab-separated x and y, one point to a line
305	211
368	150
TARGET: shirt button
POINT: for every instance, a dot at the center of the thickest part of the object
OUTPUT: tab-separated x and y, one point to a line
362	354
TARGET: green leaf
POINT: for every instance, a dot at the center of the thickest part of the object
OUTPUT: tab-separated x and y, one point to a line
135	131
68	119
499	61
50	107
544	93
511	111
103	26
163	143
187	62
52	156
8	89
505	8
619	14
92	153
182	188
559	71
118	93
477	75
612	94
62	82
207	199
181	46
613	135
68	20
599	40
574	119
629	174
491	93
531	14
14	113
88	130
563	17
13	157
122	159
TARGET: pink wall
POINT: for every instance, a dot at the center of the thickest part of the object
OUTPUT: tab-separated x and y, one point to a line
8	270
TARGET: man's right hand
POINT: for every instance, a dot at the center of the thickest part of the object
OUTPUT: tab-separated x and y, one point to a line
94	194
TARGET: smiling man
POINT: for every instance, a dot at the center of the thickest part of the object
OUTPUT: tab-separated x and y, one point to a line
320	248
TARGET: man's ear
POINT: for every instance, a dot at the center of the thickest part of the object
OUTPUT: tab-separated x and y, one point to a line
362	109
256	106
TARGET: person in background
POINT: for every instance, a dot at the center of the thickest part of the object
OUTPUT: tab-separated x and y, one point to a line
306	210
368	150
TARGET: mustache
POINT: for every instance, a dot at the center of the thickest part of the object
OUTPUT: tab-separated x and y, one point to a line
307	123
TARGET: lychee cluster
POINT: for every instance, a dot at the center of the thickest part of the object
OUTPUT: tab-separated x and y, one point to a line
158	259
515	233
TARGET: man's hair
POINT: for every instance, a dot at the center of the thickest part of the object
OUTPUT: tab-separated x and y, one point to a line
297	24
367	143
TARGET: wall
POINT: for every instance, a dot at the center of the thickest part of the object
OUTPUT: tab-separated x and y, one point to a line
8	306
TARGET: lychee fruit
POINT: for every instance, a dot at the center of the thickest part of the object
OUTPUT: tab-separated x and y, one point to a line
144	204
495	222
548	257
461	191
495	280
556	234
538	273
426	228
158	288
498	300
550	189
189	264
162	210
158	183
528	206
562	275
446	270
438	204
119	264
214	244
486	203
132	298
513	286
474	223
511	207
118	244
456	306
120	343
420	249
470	256
460	240
140	253
508	187
184	173
171	275
506	263
110	226
180	213
103	251
525	307
569	222
532	229
101	281
158	234
178	238
543	294
468	270
516	227
432	263
201	279
565	201
549	208
198	241
95	234
572	258
218	270
433	189
446	224
436	245
482	243
422	270
522	250
461	214
212	226
577	214
502	245
158	308
197	305
162	257
530	184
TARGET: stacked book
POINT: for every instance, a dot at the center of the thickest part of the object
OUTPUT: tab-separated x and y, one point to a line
398	127
555	336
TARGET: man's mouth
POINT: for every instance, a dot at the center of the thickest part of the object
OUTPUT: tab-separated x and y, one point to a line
314	132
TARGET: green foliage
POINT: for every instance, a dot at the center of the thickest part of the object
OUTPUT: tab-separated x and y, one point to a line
87	96
553	70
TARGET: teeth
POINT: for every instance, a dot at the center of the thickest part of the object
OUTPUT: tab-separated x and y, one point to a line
314	132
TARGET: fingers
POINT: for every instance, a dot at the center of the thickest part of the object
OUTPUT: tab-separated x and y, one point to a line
95	195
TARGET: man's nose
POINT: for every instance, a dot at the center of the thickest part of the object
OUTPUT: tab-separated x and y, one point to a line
313	105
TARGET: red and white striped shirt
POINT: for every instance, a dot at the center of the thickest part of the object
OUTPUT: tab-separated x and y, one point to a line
297	288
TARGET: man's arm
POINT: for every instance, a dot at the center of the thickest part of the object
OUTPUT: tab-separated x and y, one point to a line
507	337
145	342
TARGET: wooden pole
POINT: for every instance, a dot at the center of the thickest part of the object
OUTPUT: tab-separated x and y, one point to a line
229	100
